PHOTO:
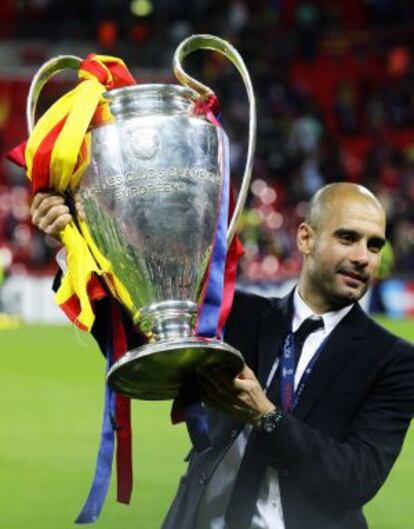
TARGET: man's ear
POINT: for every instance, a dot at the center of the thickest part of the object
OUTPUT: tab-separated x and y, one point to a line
305	238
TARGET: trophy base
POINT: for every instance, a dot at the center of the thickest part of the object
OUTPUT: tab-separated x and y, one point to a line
164	370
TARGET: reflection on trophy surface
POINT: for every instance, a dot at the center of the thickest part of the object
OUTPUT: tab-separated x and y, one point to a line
151	198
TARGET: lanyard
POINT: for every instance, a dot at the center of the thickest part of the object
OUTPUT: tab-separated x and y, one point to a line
290	397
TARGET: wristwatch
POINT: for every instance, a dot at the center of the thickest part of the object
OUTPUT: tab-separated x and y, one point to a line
269	421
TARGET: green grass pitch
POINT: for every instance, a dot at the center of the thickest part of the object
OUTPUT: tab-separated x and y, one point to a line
52	383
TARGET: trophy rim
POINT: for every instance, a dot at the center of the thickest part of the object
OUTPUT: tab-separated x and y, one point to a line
167	88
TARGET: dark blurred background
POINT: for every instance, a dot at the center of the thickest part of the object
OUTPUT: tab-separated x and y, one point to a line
335	92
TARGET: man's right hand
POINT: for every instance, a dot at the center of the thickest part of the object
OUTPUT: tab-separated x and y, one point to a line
50	213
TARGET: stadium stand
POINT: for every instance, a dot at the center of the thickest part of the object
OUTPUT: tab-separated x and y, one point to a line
334	83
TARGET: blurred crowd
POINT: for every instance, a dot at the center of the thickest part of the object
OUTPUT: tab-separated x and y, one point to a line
334	83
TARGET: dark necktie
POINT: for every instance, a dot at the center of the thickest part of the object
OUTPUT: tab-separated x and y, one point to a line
306	328
245	493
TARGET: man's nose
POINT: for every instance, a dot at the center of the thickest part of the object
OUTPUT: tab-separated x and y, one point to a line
360	254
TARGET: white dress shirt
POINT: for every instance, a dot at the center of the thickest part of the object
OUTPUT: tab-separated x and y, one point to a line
268	513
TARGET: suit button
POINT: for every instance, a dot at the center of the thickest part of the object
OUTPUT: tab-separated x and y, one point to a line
284	472
234	433
203	479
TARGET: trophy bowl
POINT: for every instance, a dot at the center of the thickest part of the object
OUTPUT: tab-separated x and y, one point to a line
151	197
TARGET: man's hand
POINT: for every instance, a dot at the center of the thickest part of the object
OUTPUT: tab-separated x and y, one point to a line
241	397
50	213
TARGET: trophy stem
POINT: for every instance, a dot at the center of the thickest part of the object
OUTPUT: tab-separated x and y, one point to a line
168	320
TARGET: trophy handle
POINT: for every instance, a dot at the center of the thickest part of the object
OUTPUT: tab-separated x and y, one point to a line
210	42
43	74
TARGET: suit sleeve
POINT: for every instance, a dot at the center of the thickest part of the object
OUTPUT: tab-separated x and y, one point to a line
346	473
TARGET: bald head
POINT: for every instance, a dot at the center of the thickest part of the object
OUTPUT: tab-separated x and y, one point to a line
332	198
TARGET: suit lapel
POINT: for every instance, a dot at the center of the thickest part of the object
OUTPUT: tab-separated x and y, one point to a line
337	351
274	326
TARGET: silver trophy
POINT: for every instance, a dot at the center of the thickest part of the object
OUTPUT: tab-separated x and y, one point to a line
151	197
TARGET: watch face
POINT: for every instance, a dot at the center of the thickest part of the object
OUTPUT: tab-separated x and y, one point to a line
270	421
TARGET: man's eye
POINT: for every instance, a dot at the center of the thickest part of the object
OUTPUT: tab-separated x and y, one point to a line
374	248
346	238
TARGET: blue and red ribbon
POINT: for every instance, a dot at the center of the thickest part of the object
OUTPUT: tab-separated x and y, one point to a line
218	291
116	424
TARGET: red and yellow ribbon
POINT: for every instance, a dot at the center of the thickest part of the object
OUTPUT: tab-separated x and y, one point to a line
56	155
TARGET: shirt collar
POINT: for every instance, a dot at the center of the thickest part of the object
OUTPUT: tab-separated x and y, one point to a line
301	311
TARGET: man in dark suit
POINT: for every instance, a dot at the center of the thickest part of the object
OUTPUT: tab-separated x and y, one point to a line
304	443
310	429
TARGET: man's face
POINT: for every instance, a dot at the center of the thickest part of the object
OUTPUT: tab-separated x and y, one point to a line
342	254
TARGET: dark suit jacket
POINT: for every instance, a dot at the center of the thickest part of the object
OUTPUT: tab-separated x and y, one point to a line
335	450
